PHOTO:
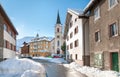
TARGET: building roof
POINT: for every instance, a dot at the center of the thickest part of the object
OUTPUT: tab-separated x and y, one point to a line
41	39
58	19
77	12
90	5
2	11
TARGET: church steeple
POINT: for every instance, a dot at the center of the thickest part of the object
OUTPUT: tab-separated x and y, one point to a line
58	19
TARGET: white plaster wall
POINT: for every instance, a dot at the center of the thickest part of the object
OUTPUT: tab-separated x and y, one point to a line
86	34
8	53
76	50
9	38
60	39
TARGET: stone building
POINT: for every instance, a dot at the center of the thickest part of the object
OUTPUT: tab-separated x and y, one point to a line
7	36
104	33
40	46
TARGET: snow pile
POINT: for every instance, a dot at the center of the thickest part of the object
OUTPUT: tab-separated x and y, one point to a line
91	71
21	68
31	73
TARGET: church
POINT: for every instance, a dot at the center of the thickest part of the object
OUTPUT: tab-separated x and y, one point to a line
57	41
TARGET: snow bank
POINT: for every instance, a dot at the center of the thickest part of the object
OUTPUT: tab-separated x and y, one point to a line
21	68
31	73
91	71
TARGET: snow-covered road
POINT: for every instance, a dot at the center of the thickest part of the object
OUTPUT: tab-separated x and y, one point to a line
58	70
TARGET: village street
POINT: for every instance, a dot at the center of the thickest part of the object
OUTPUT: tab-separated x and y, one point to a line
58	70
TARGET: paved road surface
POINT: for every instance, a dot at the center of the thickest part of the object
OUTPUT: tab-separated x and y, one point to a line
58	70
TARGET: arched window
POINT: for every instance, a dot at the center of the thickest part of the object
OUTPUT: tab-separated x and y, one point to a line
58	43
58	30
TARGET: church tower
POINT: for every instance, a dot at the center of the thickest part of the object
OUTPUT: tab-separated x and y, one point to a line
58	35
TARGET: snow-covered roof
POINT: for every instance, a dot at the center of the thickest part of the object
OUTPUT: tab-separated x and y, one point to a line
71	12
41	38
90	5
87	6
76	11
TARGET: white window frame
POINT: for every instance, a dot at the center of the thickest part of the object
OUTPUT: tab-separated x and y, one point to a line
110	7
5	27
95	10
115	29
99	36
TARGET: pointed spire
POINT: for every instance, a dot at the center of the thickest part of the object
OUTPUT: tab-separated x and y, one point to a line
58	19
37	36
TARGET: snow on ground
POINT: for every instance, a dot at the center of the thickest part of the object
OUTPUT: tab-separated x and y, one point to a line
58	60
54	60
21	68
42	58
91	71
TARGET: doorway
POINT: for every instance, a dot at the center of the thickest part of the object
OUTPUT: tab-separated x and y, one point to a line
58	51
114	61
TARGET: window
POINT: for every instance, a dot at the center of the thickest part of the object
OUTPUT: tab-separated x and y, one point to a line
58	43
97	13
75	19
76	56
98	59
112	3
71	45
5	43
113	30
58	30
11	46
71	34
71	23
70	56
67	47
5	27
35	47
35	50
10	32
76	30
67	38
97	36
76	43
46	46
41	42
46	42
58	36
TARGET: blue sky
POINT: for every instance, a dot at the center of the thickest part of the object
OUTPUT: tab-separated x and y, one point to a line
38	16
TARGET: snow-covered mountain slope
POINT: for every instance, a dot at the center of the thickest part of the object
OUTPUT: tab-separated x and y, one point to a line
22	40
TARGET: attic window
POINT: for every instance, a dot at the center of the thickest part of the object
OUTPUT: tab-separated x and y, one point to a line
112	3
75	19
97	13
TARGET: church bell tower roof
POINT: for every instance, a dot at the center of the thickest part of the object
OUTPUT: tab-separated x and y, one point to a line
58	19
